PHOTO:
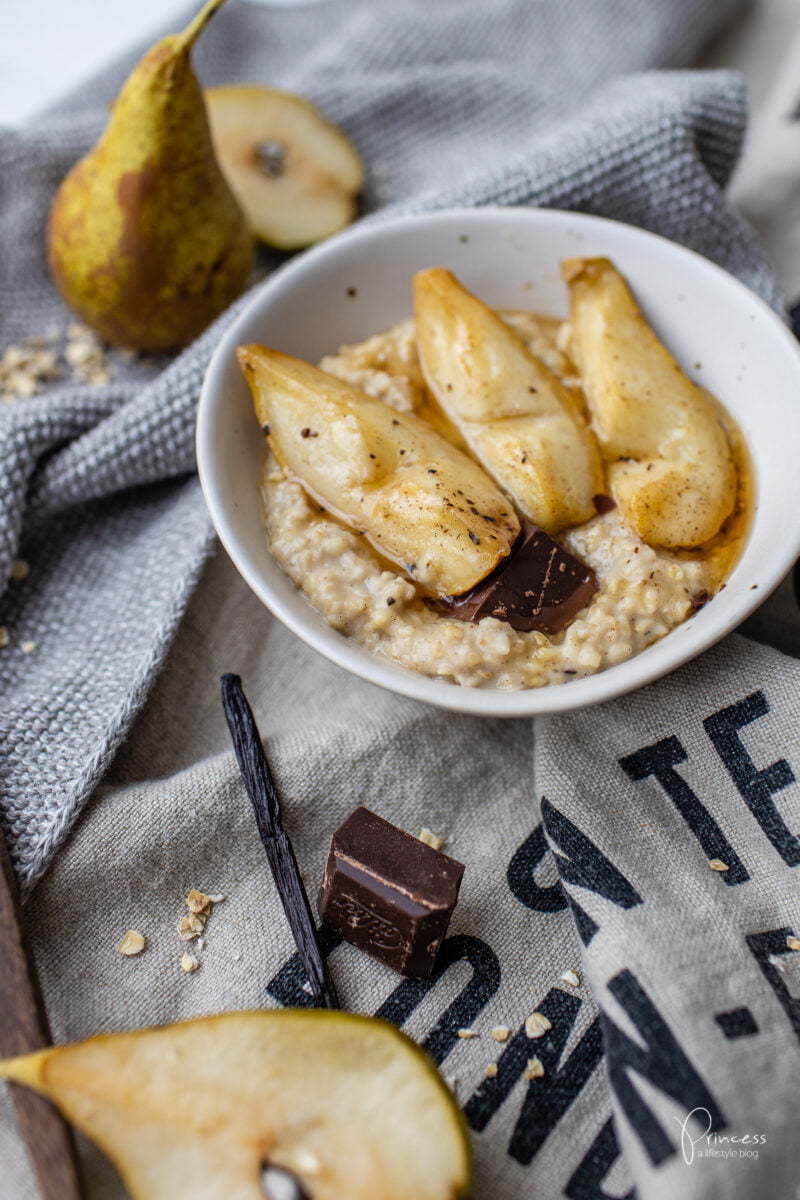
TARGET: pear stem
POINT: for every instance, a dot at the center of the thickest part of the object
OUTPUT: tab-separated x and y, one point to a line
198	23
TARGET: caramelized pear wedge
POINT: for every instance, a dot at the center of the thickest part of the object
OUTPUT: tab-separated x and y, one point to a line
516	416
418	500
346	1104
672	470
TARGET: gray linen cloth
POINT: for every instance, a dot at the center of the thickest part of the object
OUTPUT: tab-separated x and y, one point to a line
586	840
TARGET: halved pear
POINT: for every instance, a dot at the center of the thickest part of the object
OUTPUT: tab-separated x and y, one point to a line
295	174
194	1111
672	470
516	416
421	502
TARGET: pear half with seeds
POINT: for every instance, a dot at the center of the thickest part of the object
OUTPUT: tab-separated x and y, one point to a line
515	415
295	174
421	502
196	1111
672	470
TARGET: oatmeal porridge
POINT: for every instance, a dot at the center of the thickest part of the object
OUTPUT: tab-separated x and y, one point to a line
640	591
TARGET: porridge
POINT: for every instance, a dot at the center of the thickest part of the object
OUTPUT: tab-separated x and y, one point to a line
641	596
637	591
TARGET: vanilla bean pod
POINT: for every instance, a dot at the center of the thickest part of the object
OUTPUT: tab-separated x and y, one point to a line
280	855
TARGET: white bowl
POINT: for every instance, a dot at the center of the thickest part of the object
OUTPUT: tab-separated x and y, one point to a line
359	283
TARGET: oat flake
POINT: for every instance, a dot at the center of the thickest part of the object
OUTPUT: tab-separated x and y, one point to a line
537	1025
132	943
198	902
431	839
190	927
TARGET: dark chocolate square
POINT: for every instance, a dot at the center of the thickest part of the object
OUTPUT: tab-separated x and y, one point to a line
388	893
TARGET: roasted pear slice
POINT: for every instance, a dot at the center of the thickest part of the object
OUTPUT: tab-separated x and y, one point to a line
674	476
515	415
295	174
195	1111
421	502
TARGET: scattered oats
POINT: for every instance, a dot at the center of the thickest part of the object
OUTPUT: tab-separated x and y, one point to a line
537	1025
189	963
132	943
572	978
190	927
3	636
467	1033
20	570
431	839
24	368
490	1071
77	353
22	386
717	864
201	943
216	898
198	902
793	943
13	357
28	647
534	1069
500	1033
452	1083
85	354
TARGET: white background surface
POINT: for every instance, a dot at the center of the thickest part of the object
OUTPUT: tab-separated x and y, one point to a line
49	46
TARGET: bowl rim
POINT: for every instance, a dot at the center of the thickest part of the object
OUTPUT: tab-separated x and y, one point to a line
628	676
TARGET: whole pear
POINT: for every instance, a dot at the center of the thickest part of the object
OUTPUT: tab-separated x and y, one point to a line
146	240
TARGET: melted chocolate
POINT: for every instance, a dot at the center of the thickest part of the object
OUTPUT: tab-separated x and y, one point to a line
539	586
